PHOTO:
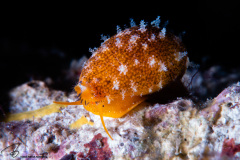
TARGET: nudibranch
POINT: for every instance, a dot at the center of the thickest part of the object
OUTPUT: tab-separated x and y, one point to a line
129	66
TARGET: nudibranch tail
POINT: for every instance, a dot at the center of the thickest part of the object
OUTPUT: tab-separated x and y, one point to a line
114	107
105	128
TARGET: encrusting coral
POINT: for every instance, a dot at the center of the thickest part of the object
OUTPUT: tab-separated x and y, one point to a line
175	130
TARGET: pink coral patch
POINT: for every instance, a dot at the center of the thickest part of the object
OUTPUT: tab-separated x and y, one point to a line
229	148
98	149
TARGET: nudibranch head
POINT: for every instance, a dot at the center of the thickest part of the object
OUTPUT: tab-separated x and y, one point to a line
135	62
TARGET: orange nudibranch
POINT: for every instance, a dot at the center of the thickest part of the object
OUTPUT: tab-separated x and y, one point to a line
135	62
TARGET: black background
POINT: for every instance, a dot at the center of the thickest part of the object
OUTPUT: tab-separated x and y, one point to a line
39	40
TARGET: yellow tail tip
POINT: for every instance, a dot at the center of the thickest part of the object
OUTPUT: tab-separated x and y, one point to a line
105	127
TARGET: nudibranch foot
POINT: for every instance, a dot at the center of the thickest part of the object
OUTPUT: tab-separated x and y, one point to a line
116	107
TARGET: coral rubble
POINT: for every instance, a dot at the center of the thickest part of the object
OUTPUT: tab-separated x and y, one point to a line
175	130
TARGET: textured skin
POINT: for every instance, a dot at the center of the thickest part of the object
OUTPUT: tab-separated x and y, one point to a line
136	61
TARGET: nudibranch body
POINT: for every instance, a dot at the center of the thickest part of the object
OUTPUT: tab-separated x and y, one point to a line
135	62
